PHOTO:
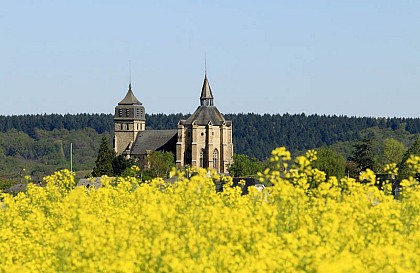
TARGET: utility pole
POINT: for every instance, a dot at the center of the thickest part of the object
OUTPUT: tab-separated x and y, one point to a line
71	157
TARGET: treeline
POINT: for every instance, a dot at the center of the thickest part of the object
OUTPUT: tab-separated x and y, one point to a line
257	135
254	134
28	123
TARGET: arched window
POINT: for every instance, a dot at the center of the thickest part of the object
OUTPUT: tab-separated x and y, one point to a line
215	159
202	158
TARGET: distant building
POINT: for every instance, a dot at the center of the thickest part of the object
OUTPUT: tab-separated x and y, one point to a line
203	140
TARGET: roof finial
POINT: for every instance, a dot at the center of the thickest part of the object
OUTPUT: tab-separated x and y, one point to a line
205	65
129	74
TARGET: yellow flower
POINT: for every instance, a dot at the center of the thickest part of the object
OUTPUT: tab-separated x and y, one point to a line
303	223
391	168
368	176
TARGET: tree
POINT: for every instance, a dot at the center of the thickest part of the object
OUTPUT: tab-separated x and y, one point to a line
331	162
393	151
104	160
244	166
352	169
120	164
414	149
159	164
363	155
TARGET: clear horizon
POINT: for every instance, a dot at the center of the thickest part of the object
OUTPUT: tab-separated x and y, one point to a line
351	58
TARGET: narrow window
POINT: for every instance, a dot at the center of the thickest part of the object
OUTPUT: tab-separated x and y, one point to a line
202	158
215	158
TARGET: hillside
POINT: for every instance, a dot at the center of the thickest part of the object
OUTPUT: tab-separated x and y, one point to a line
40	143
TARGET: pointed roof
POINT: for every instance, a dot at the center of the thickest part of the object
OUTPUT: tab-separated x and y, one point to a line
206	90
130	99
206	113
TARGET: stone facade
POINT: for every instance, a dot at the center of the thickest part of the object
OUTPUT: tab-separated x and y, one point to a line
205	146
203	140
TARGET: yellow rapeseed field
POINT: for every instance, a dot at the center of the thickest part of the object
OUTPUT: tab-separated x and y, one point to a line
304	223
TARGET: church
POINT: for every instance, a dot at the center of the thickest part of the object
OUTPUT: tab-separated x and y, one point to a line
203	140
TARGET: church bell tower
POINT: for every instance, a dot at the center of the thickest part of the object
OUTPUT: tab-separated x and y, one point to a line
205	138
129	119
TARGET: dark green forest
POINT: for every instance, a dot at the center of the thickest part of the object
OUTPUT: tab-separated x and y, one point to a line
39	144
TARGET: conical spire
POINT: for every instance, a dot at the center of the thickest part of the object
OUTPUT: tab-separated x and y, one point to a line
206	98
130	99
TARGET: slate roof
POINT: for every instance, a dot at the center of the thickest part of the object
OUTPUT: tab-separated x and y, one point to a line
15	189
153	140
94	182
204	114
206	90
130	99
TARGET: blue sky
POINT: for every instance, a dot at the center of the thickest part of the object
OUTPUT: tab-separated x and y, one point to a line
357	58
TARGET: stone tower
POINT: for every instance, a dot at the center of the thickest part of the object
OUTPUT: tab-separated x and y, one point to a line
205	138
129	119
